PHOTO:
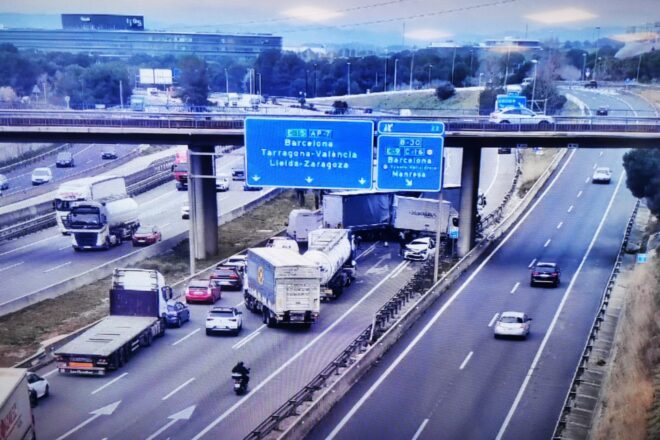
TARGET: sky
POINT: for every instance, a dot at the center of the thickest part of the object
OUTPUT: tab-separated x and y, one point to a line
411	22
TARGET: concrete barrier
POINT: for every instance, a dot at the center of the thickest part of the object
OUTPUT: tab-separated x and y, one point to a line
56	289
322	404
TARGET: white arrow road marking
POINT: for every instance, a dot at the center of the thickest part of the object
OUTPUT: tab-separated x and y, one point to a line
186	336
105	411
181	415
109	383
378	270
492	321
175	390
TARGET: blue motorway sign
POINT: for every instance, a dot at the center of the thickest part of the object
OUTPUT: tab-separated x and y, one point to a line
409	162
505	101
309	153
642	258
410	127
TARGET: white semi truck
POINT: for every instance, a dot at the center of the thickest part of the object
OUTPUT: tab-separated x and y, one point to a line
98	188
283	286
138	309
95	225
423	215
16	420
332	251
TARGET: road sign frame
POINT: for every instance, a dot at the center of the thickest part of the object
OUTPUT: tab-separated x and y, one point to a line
271	134
411	126
380	184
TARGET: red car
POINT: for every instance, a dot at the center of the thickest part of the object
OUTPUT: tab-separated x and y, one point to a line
203	291
146	235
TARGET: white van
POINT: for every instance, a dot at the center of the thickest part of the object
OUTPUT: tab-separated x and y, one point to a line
283	243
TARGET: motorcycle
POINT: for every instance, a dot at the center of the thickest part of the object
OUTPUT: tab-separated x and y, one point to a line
240	383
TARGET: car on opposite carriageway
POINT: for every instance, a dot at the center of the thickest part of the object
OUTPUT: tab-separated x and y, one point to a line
602	175
545	273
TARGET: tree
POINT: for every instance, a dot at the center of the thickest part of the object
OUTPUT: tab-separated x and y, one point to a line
487	99
101	83
445	91
194	80
643	175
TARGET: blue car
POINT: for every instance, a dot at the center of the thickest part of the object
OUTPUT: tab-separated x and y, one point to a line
177	313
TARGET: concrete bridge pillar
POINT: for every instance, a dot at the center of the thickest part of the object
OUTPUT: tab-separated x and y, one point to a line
469	193
203	202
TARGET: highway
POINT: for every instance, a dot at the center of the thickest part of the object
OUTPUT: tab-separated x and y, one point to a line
85	157
197	366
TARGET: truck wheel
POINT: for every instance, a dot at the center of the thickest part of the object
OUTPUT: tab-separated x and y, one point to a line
47	392
270	319
264	317
106	245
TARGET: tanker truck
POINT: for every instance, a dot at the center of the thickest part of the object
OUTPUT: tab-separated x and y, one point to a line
332	251
100	225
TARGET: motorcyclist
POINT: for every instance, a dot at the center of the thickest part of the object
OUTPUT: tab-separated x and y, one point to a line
241	369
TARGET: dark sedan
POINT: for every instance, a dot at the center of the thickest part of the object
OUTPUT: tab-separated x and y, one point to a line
545	273
177	313
146	235
228	277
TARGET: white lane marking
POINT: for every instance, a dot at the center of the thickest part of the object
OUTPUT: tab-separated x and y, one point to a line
497	168
587	180
532	367
65	247
595	166
240	304
157	198
57	267
248	338
547	242
186	336
420	429
369	250
467	359
102	387
442	310
399	270
54	370
570	208
579	194
291	360
492	321
30	244
165	225
600	154
11	266
532	263
89	161
175	390
515	287
559	225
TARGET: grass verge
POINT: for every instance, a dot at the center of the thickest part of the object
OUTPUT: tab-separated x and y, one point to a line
533	165
24	331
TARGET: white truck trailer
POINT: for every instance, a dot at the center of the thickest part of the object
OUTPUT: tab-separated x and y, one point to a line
283	286
422	215
302	222
95	225
97	188
332	251
16	420
138	308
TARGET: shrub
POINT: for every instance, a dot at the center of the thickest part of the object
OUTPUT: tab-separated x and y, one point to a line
445	91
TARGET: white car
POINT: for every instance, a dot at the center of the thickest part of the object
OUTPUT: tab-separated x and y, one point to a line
41	175
222	182
520	115
512	324
185	211
37	385
602	175
239	261
224	319
419	249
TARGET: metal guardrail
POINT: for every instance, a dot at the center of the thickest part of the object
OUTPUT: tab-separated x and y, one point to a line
37	157
496	215
593	335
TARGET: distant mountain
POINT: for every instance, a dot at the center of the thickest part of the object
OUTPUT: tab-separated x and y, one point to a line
34	21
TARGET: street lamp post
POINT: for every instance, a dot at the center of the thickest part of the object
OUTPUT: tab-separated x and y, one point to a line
396	62
506	68
315	80
259	77
639	66
412	63
596	67
536	63
385	77
430	67
226	83
349	77
584	66
480	76
453	64
471	71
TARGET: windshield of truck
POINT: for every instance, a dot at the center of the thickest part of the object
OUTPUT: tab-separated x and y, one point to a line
84	218
180	168
62	205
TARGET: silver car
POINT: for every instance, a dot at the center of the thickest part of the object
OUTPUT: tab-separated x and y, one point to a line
522	116
602	175
512	325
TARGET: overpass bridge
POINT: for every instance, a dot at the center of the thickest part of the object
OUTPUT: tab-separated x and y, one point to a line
202	131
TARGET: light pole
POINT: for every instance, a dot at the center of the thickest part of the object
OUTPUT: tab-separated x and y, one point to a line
314	80
597	49
226	83
639	65
536	63
430	67
396	62
596	67
385	80
412	63
259	78
471	71
584	66
349	78
506	68
453	64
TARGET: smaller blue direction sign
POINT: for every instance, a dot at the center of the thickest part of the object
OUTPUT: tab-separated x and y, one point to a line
642	258
506	101
406	127
309	153
410	162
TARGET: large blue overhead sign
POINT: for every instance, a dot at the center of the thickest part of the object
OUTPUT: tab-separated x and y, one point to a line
410	155
510	100
308	153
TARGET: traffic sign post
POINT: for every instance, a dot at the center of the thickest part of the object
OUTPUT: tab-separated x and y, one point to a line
409	163
408	127
642	258
309	153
